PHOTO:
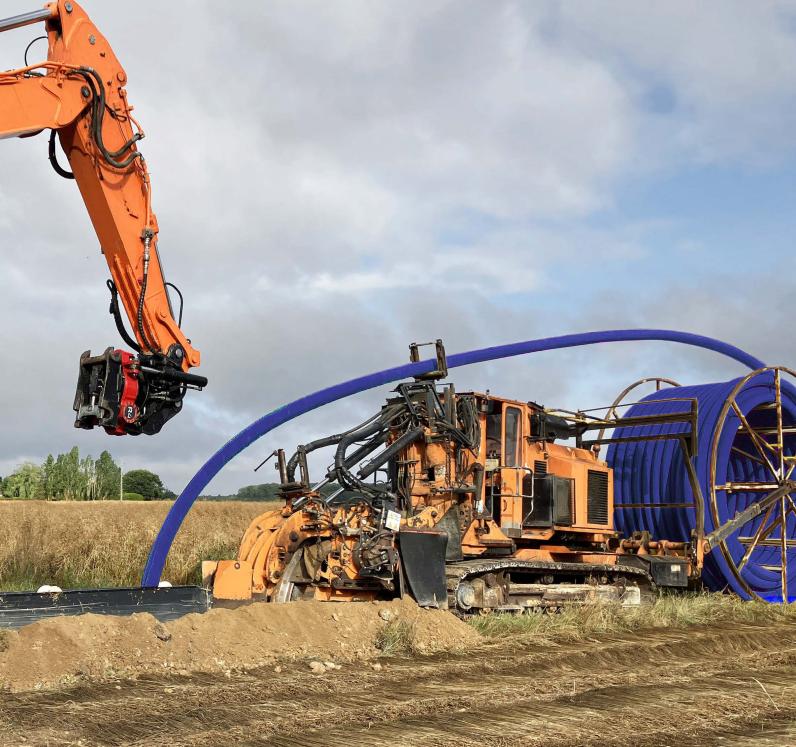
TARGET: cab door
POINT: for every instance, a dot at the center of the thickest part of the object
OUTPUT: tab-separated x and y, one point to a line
515	478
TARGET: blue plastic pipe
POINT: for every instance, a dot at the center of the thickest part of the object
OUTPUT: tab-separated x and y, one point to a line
233	447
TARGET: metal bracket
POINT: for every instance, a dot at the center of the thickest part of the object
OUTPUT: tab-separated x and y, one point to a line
743	517
266	460
441	370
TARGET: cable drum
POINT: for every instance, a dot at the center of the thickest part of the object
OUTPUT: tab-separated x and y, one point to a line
746	438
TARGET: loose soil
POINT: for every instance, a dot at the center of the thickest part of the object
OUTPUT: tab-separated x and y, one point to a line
728	684
62	651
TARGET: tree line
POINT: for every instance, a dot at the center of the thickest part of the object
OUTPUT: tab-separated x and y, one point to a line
70	477
267	491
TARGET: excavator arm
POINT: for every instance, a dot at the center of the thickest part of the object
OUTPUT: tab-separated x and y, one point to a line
79	93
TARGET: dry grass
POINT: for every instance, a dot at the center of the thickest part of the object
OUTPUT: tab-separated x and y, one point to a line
668	611
105	543
396	638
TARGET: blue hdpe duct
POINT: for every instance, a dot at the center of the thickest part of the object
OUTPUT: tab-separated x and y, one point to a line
654	472
267	423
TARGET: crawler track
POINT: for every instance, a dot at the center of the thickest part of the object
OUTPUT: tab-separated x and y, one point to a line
705	686
456	573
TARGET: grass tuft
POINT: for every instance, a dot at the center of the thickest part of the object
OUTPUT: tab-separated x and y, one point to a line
396	638
668	611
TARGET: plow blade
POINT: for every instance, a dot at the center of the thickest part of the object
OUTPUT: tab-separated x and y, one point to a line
423	558
22	608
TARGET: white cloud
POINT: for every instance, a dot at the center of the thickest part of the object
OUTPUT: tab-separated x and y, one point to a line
723	69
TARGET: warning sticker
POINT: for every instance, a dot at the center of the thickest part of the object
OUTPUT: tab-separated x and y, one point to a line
393	521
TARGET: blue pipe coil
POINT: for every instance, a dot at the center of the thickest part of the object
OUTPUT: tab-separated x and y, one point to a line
654	472
162	544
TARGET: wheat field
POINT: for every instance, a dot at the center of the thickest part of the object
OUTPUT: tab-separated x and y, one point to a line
105	543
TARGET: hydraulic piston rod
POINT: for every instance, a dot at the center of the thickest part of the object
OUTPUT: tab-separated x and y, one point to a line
26	19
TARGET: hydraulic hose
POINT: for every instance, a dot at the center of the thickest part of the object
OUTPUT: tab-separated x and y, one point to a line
384	456
375	431
320	443
293	462
160	548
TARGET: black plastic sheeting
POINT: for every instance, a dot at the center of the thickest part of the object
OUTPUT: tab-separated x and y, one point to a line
654	472
165	603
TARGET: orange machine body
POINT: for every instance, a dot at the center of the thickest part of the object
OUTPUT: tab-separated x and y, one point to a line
514	509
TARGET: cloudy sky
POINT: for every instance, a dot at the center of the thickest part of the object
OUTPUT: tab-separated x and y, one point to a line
334	180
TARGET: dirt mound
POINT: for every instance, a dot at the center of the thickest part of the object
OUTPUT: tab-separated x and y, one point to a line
66	650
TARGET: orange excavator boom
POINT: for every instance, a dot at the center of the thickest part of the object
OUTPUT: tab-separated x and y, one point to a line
79	93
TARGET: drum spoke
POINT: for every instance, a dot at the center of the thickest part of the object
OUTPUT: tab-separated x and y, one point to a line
748	455
757	537
784	551
780	436
757	441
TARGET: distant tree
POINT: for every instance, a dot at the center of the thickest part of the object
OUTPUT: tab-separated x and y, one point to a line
68	477
58	478
47	476
267	491
133	497
71	476
24	482
169	495
75	482
144	482
108	475
264	492
88	479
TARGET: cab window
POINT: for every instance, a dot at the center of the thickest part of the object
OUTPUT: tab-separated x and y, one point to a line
512	457
494	426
